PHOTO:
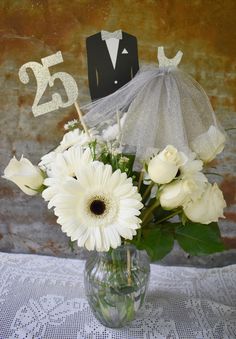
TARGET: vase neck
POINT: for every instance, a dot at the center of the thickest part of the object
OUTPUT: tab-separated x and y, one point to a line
118	252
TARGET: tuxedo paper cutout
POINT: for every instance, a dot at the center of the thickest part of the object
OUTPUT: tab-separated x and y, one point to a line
112	61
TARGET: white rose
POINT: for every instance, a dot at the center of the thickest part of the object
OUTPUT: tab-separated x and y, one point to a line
24	174
208	207
176	193
209	144
163	167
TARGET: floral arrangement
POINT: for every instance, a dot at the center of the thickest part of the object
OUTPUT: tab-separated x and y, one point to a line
102	202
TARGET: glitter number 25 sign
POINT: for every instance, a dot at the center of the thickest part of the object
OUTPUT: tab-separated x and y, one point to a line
44	78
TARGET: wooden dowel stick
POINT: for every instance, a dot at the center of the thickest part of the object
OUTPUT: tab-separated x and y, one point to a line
81	119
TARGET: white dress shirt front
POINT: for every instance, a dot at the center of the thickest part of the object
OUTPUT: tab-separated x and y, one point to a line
112	46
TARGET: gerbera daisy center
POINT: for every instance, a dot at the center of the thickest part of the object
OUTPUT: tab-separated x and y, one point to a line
97	207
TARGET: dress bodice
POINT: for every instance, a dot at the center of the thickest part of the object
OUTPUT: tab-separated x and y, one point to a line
166	62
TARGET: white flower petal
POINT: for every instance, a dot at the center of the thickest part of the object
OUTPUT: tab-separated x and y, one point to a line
65	166
90	243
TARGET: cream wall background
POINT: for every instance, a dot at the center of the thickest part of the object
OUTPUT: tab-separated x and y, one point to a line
205	30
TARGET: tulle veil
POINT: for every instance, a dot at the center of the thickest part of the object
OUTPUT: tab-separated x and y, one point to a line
163	106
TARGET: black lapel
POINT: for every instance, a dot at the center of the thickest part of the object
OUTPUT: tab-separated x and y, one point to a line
122	45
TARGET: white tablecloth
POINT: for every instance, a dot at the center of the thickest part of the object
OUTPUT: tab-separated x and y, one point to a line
43	297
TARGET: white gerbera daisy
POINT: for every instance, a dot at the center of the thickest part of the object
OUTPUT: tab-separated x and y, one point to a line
72	138
99	208
77	137
65	165
48	159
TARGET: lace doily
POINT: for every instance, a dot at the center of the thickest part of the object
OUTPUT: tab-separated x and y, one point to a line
43	298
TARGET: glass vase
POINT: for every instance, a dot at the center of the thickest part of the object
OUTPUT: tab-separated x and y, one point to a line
116	283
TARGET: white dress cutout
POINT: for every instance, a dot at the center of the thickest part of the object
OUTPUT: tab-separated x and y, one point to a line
164	105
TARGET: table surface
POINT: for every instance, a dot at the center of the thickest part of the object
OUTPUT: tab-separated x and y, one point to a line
43	297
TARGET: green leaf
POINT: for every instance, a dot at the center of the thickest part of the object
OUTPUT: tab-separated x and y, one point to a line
71	244
38	190
158	242
130	163
199	239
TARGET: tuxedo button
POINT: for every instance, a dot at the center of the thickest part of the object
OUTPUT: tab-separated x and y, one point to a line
115	82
